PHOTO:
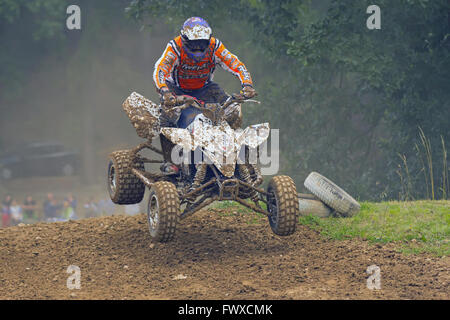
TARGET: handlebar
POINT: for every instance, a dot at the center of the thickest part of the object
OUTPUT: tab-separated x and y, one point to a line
183	102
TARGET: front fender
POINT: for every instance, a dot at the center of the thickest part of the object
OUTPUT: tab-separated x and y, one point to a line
253	135
179	136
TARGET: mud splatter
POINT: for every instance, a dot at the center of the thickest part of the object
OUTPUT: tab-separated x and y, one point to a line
144	115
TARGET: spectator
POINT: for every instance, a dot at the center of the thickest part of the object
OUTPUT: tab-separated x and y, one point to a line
6	211
72	201
51	207
29	210
16	213
68	212
90	208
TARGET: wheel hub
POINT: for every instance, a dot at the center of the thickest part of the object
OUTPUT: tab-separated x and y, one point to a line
272	206
153	212
112	178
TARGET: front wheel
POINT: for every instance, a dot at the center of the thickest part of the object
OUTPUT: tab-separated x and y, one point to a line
282	204
163	211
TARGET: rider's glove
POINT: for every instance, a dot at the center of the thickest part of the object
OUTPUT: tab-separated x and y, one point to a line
167	97
248	92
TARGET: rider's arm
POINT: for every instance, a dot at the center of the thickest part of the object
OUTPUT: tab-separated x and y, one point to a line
164	66
231	63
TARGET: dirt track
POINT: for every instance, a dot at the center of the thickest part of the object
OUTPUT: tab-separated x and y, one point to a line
222	257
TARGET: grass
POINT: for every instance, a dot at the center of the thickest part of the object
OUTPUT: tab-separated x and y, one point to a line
415	227
229	208
418	226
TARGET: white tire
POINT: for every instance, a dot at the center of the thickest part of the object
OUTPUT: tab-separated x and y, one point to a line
332	195
314	207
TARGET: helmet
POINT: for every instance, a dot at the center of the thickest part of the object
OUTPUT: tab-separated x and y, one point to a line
195	36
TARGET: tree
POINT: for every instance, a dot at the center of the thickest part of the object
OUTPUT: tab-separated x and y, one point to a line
350	98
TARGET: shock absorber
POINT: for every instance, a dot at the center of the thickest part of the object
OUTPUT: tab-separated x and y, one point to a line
198	179
256	175
245	175
200	174
259	178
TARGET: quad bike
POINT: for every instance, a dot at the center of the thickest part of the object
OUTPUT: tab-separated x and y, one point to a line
220	175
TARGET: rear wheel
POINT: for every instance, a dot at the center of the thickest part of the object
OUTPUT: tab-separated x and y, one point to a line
282	204
123	185
163	211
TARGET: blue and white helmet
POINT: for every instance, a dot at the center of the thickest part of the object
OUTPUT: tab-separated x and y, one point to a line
196	28
196	35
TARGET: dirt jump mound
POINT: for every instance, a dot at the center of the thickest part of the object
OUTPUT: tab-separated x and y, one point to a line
216	254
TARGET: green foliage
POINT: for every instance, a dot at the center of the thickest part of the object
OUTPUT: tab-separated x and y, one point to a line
405	65
28	31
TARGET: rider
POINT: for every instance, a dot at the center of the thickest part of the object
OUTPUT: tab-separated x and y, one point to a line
186	67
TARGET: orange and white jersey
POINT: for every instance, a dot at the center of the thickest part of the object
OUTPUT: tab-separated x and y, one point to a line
175	66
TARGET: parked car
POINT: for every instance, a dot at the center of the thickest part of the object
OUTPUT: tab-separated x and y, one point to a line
39	159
